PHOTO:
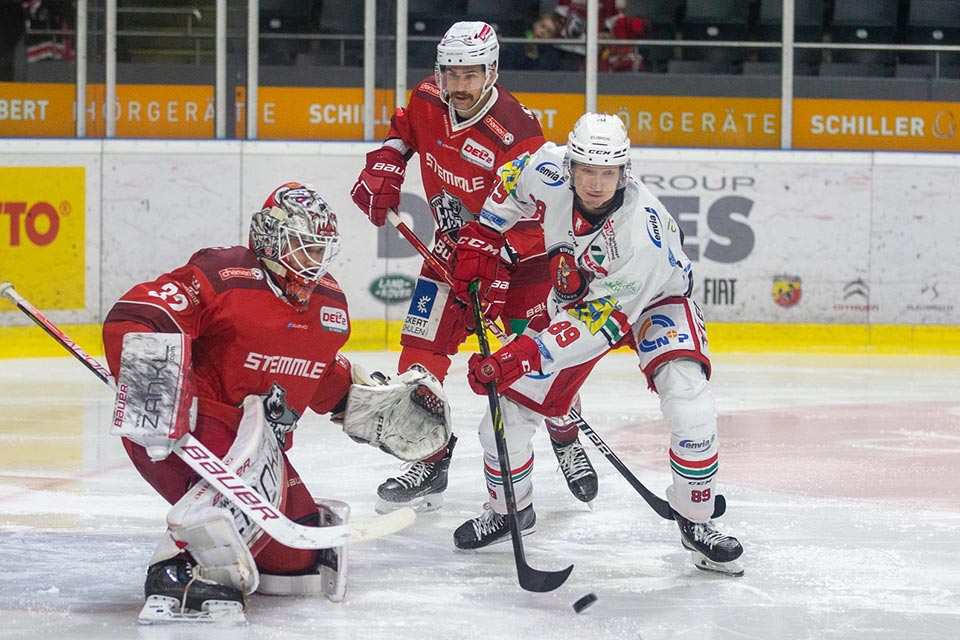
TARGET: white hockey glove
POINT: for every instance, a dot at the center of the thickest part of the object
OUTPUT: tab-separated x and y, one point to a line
156	401
407	416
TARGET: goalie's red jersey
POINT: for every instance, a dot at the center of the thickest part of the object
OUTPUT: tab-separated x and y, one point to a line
246	338
458	161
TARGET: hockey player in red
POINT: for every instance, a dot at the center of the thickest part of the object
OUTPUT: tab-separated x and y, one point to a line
261	329
464	125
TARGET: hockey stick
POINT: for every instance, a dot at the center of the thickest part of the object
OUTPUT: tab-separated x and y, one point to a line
212	469
658	504
530	579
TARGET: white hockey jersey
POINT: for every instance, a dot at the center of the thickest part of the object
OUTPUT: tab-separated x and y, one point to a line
605	271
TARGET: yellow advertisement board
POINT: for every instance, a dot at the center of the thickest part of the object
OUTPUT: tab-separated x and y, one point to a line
43	234
875	125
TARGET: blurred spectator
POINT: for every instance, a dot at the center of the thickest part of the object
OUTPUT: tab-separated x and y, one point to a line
11	31
613	24
542	57
50	15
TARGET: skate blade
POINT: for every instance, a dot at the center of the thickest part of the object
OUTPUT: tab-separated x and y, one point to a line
164	610
498	541
424	504
732	568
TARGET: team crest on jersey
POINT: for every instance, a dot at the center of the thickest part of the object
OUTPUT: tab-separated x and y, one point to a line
569	282
448	210
281	418
510	173
475	153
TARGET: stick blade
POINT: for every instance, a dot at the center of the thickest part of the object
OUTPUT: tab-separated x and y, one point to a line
542	581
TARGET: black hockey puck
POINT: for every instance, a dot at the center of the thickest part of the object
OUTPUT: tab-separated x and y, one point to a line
584	602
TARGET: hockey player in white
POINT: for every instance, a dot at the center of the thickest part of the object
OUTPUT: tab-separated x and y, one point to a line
620	278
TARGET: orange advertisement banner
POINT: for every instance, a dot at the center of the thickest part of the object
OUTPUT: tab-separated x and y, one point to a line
43	234
141	111
659	121
312	113
875	125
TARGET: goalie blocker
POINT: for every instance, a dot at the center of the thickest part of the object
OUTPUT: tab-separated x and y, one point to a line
156	401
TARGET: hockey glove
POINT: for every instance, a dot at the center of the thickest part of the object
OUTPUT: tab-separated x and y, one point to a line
378	187
507	365
477	255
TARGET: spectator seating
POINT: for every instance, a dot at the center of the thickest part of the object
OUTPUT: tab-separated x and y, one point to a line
864	22
931	22
716	20
808	27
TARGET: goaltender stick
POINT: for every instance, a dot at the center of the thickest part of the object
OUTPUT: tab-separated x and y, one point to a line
233	347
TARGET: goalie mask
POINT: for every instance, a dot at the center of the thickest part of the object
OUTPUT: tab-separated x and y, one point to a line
599	140
468	44
295	237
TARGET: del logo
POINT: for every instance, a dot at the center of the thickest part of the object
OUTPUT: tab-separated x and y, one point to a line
392	288
659	331
473	151
549	174
237	272
786	290
334	319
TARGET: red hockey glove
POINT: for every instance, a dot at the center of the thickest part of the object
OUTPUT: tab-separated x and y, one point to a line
378	187
506	366
477	255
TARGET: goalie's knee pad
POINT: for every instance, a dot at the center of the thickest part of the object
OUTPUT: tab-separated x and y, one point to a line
329	577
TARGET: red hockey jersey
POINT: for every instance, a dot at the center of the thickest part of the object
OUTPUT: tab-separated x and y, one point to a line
246	339
458	162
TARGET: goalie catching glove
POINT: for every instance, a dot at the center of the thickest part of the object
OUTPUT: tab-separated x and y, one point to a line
378	187
407	416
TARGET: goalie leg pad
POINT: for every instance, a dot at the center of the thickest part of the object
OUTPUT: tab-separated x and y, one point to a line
408	416
156	393
220	537
330	578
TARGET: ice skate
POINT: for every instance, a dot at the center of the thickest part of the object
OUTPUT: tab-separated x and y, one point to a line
490	527
421	487
579	473
176	591
711	550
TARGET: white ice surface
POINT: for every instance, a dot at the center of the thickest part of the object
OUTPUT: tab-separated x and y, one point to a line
838	473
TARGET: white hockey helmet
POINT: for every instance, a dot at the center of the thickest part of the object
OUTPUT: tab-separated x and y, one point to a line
467	44
599	139
295	237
